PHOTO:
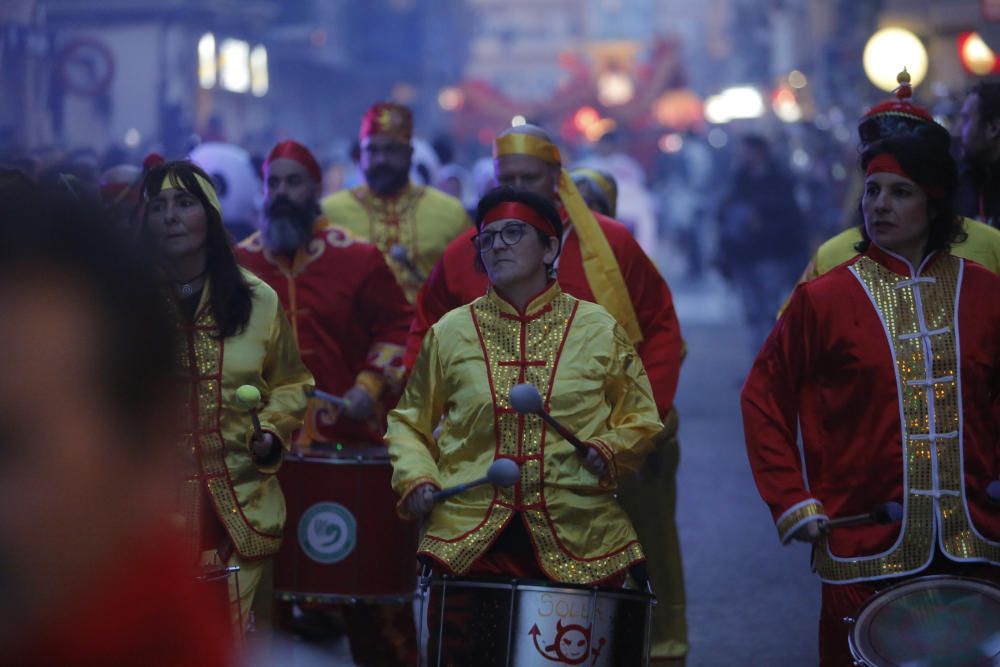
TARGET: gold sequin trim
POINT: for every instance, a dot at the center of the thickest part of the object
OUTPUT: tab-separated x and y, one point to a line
204	445
393	221
919	317
793	518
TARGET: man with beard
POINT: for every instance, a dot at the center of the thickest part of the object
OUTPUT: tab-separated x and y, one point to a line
599	262
348	314
410	224
979	178
350	319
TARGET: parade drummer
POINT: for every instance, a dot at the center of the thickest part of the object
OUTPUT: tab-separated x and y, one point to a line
410	224
349	316
232	333
350	319
889	366
560	522
599	261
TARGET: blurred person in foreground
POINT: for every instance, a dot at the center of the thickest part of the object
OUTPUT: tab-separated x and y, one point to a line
232	332
350	319
92	569
561	521
410	224
896	117
601	262
979	178
762	238
893	403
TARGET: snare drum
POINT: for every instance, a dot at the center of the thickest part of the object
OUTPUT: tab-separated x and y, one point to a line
929	621
343	540
494	622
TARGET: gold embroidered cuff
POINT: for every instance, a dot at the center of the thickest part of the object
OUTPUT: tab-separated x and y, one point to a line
798	515
401	509
371	382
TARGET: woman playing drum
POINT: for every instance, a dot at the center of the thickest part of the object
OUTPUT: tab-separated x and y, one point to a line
233	333
560	522
890	366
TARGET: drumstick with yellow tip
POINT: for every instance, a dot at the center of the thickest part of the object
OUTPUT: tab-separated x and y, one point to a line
248	398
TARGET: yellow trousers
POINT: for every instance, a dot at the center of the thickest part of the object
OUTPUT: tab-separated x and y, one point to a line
650	500
242	585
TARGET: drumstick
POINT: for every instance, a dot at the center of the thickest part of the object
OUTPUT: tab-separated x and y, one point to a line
526	400
400	254
883	513
502	472
339	401
248	398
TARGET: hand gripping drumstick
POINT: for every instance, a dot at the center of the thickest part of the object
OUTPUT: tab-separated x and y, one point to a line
248	398
526	400
883	513
329	398
502	472
398	252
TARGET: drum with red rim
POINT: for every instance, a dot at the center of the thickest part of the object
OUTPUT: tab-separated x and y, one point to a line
343	539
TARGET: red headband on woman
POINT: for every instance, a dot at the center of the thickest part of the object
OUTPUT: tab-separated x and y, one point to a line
886	163
512	210
293	150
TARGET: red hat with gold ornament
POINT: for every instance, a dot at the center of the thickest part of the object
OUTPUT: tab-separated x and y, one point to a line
388	118
899	115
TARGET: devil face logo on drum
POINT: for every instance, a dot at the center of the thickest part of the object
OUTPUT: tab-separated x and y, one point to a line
571	645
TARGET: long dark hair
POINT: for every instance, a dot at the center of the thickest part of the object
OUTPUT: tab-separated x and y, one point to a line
230	297
925	160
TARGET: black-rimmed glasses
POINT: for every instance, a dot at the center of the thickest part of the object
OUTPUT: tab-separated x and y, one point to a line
511	234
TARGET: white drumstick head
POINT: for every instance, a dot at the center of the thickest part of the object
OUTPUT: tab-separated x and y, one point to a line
398	253
526	399
504	472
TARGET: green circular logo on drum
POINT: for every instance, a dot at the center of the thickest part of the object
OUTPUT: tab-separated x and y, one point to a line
328	532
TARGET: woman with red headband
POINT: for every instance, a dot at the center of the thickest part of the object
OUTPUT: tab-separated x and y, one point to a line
561	521
889	365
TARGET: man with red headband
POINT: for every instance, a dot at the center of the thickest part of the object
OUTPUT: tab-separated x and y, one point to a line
889	367
410	224
600	262
890	118
348	314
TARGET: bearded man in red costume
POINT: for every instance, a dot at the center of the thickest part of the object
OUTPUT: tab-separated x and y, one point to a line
349	316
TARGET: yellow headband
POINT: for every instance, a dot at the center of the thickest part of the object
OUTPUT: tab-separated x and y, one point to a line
526	144
171	182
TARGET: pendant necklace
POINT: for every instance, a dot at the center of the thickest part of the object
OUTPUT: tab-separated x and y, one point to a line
186	287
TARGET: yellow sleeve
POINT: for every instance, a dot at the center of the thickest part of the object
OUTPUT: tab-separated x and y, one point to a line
285	380
634	420
410	435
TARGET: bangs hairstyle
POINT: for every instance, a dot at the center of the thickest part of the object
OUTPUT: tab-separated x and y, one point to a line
542	206
230	298
925	160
